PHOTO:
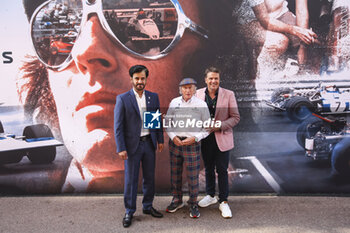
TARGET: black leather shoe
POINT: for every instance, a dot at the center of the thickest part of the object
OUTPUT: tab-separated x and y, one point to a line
127	220
153	212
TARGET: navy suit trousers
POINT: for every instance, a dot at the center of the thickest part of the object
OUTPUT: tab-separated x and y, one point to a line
145	155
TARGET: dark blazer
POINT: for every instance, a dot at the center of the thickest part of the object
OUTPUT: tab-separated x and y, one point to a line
128	123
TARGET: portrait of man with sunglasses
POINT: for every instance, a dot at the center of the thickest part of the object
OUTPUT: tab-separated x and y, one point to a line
84	49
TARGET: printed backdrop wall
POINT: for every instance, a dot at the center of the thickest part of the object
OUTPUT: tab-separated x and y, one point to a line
65	69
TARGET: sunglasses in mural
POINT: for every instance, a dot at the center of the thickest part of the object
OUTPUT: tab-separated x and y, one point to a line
149	29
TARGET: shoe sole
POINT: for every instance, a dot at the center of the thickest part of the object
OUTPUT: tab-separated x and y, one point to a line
211	203
174	210
155	216
195	216
126	225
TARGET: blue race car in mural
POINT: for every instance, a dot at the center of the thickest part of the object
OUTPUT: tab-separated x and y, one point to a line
299	104
37	143
324	132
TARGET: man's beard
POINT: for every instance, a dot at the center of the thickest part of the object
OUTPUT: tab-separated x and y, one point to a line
140	87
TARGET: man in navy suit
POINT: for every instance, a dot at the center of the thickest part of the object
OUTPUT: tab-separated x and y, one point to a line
136	144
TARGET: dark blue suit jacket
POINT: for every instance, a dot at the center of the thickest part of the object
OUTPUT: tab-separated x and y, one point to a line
128	123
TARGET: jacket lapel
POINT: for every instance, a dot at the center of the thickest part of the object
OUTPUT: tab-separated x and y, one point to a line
219	101
133	102
201	94
148	100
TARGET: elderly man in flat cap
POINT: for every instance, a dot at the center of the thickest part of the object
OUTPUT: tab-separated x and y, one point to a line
184	126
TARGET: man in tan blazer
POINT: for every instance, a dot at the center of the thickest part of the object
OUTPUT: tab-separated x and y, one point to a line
216	147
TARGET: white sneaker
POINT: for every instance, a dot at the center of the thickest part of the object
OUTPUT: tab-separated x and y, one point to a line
225	210
207	201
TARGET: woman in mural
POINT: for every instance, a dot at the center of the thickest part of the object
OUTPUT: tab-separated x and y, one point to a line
75	92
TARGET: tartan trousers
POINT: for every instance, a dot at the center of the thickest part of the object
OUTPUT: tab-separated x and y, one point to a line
190	155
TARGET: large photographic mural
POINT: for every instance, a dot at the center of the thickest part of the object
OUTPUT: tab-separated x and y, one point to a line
63	62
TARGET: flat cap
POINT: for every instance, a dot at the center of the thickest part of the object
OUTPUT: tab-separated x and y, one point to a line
187	81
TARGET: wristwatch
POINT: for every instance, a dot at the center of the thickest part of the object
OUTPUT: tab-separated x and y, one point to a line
196	139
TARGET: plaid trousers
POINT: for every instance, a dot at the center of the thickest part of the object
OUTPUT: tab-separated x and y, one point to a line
191	156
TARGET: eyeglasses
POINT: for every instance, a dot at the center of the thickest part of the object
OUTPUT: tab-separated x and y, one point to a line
146	28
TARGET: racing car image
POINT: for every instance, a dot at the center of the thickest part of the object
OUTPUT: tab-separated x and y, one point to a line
148	29
60	47
299	104
37	143
141	29
327	138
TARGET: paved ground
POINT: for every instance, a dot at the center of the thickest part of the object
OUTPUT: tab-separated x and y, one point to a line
103	213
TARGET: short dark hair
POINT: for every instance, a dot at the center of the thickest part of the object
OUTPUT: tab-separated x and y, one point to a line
211	69
138	69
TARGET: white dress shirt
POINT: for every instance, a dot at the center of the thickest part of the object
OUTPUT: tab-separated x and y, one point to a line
141	102
192	110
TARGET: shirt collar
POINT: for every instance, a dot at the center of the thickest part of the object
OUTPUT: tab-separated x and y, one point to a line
189	101
207	92
137	94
